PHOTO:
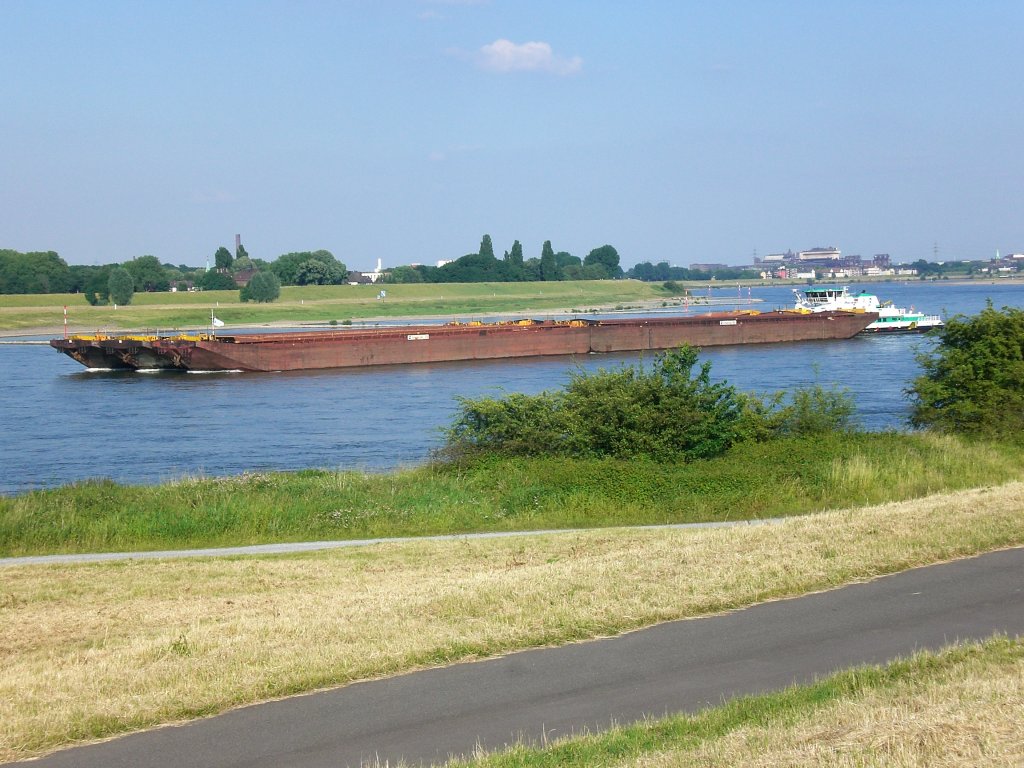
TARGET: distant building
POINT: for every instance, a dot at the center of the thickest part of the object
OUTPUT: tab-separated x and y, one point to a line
366	278
243	276
831	253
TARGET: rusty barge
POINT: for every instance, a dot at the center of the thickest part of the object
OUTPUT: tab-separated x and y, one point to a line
307	350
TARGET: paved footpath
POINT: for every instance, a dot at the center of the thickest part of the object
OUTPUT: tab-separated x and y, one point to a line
677	666
313	546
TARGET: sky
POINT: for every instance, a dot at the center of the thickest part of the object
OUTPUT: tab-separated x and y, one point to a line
404	130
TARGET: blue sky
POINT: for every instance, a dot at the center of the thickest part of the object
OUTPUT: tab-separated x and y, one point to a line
406	129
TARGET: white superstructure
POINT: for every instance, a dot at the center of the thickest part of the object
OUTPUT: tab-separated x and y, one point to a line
890	319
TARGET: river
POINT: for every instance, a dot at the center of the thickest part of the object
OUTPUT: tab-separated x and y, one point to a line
60	423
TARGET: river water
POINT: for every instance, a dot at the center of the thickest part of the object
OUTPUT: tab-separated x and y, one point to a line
60	423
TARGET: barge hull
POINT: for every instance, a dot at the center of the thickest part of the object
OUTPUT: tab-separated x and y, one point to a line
431	344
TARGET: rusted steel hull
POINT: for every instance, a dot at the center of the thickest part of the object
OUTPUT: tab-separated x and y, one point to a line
136	354
438	343
90	353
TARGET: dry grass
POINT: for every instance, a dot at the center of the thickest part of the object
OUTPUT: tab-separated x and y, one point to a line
959	707
969	715
92	650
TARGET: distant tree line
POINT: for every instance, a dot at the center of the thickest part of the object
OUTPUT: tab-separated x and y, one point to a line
47	272
484	267
662	272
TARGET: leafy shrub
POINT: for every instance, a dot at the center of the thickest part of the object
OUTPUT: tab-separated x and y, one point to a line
665	412
973	381
804	412
816	410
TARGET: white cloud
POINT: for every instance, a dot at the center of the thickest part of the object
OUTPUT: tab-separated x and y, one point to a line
505	56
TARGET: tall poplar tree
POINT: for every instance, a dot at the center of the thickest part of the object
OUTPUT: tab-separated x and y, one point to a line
548	263
486	249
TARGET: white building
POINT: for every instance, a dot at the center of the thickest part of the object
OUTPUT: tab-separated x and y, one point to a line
816	254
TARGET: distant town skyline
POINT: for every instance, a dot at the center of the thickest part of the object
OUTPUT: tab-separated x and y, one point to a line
680	132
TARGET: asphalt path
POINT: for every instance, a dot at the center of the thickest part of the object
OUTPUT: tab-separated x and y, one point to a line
679	666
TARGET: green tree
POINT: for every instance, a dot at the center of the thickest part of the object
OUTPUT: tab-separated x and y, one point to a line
241	264
607	258
471	268
96	284
286	266
222	258
973	380
263	287
548	263
35	272
486	248
148	273
320	272
565	259
121	286
216	281
516	257
241	253
404	275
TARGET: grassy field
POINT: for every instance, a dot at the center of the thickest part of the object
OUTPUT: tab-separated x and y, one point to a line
322	303
92	650
751	481
961	707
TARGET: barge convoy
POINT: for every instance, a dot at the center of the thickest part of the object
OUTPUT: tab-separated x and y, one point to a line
307	350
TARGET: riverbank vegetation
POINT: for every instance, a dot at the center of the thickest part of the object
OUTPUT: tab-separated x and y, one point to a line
961	706
783	477
92	650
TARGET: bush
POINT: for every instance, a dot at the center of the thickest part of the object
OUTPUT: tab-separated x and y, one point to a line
665	412
804	412
973	381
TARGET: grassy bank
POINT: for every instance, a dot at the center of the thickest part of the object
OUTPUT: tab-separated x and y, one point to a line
781	478
322	303
960	707
92	650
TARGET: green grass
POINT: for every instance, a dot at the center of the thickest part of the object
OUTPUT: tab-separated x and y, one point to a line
751	481
321	303
686	734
